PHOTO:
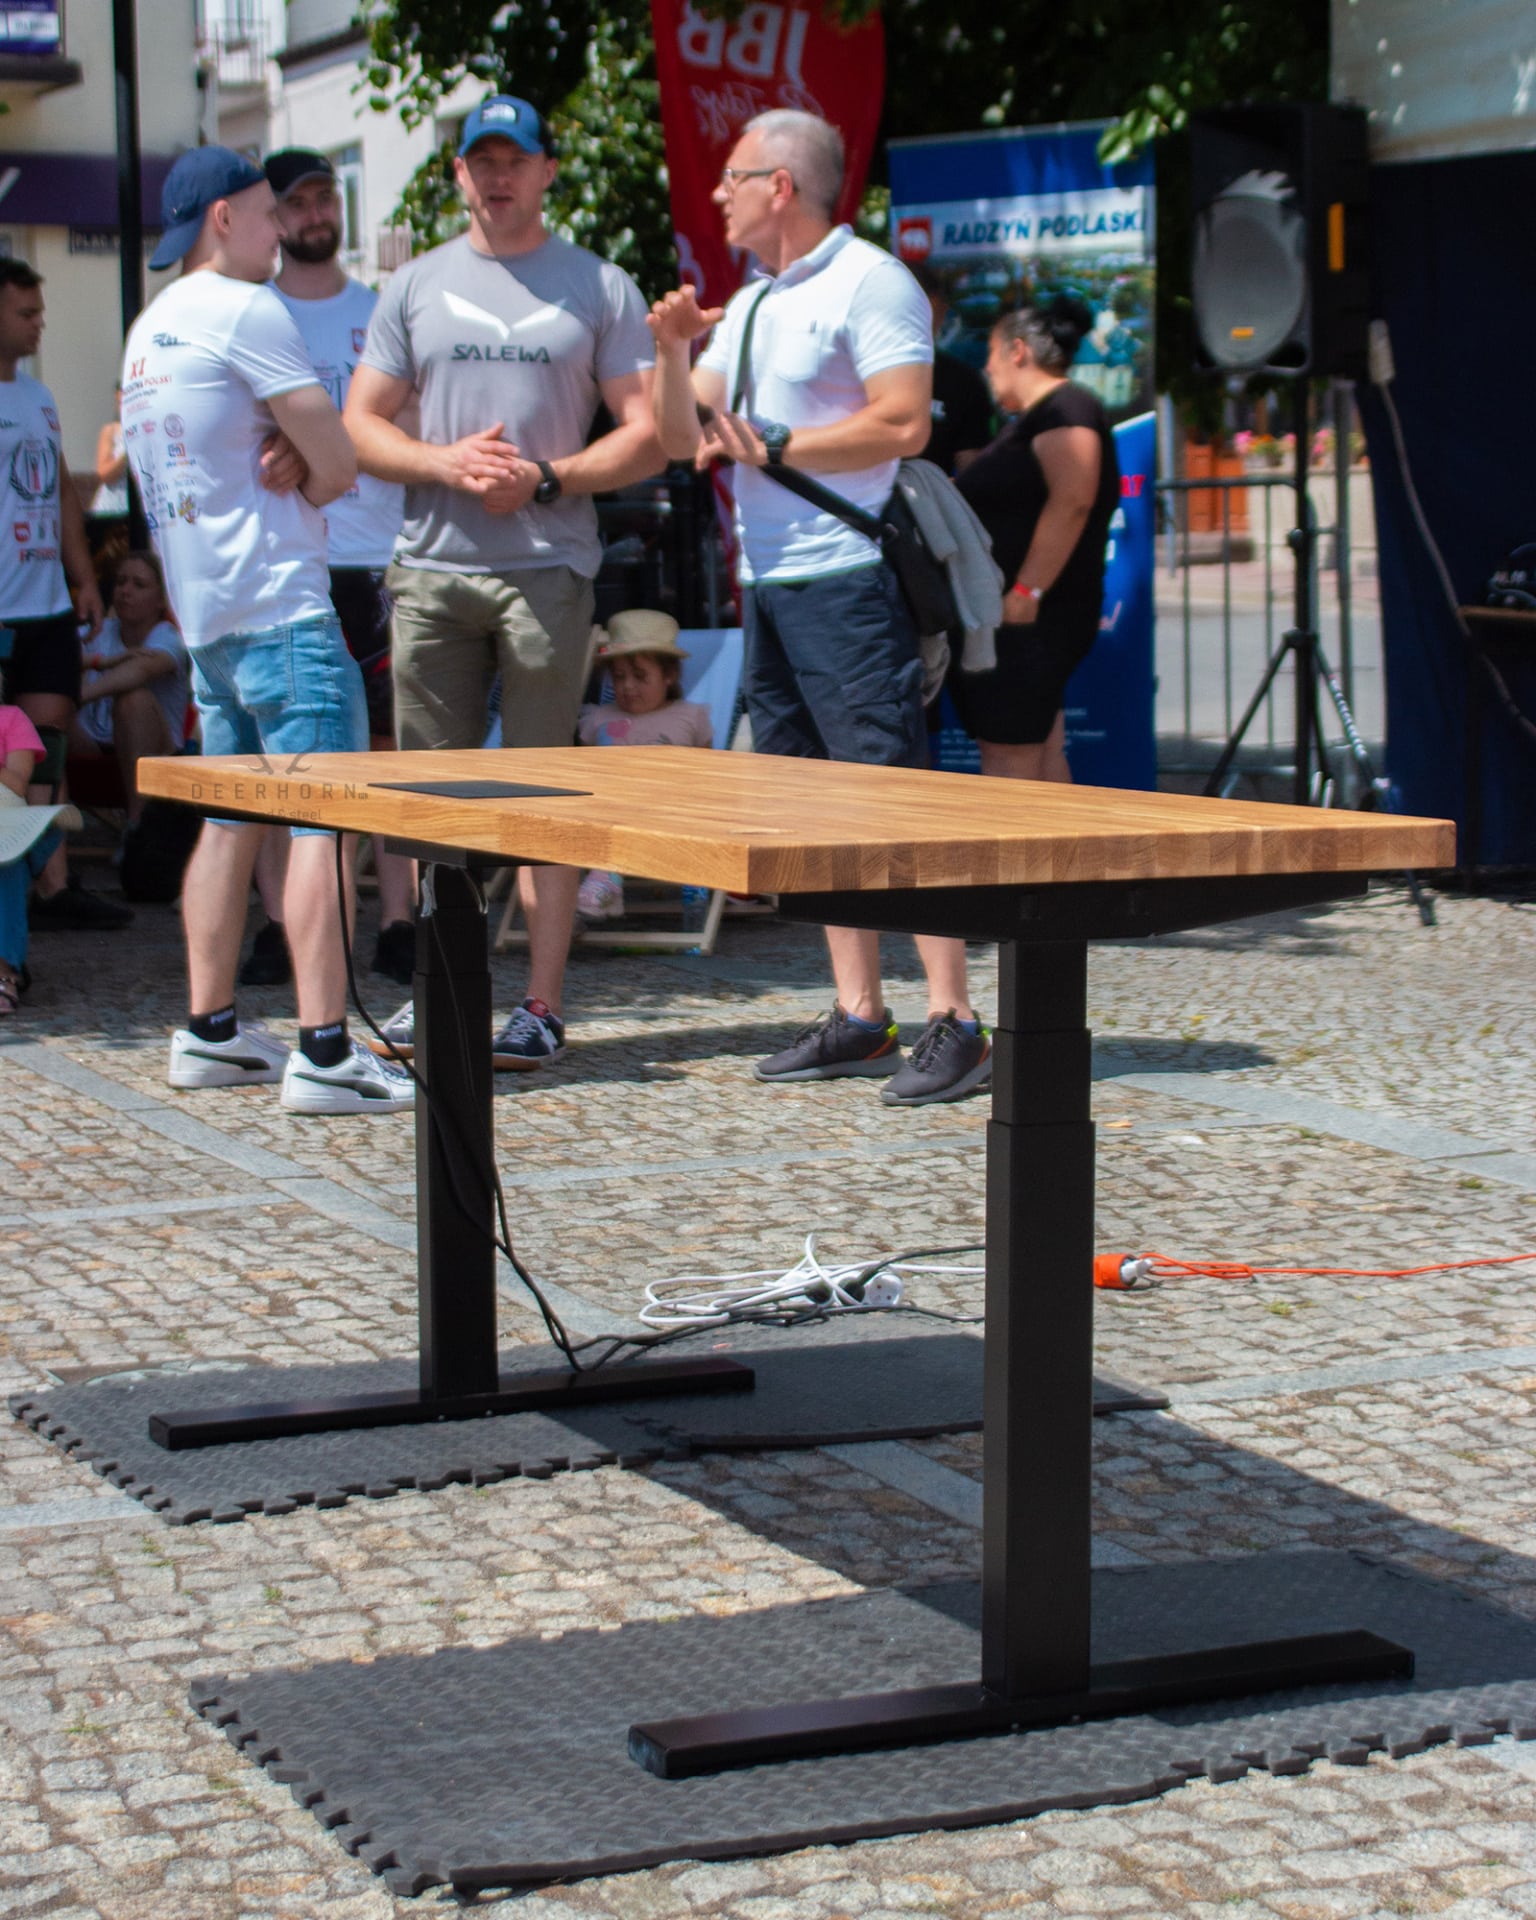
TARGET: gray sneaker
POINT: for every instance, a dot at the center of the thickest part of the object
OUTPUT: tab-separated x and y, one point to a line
832	1048
947	1063
399	1032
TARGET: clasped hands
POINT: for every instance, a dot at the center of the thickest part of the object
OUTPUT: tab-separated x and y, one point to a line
481	463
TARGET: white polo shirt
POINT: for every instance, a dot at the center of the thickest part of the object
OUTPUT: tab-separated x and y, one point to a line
827	323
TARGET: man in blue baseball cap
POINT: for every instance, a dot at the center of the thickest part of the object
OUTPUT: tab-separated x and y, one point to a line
193	185
512	338
214	369
503	115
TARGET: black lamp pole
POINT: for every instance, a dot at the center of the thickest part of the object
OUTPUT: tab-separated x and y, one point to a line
130	202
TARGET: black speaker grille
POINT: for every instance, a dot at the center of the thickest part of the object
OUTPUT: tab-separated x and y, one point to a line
1250	276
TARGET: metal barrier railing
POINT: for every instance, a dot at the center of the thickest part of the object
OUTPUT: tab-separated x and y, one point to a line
1195	636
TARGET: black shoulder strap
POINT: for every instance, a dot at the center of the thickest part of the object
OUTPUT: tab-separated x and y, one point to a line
744	358
790	477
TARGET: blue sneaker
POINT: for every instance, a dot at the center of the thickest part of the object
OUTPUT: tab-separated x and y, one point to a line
531	1038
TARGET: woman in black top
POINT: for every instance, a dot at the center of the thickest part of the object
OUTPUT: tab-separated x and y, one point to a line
1045	490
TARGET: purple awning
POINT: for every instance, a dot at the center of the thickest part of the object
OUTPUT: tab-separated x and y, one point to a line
73	189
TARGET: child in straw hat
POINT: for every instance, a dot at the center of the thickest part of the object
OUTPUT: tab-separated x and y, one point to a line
643	662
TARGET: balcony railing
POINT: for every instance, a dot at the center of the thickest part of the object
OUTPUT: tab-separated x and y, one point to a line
236	50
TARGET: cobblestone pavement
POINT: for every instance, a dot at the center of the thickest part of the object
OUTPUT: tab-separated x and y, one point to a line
1317	1089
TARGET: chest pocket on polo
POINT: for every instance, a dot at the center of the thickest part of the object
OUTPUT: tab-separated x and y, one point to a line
796	350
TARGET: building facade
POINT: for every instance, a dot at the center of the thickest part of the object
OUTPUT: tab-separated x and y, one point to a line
58	179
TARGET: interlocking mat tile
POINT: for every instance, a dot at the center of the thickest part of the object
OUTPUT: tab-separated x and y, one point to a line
507	1766
816	1386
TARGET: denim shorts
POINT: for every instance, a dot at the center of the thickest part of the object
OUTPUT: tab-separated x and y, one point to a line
833	669
280	693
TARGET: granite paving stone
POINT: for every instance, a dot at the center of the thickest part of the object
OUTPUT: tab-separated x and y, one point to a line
649	1152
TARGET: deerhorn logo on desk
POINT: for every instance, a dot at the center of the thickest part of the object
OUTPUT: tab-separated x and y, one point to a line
297	763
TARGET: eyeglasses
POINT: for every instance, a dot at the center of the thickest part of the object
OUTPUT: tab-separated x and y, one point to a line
730	177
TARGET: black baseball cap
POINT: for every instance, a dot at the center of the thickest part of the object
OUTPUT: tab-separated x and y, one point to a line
198	179
294	165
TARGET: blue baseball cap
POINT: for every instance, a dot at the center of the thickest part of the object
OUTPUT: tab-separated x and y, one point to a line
510	118
199	177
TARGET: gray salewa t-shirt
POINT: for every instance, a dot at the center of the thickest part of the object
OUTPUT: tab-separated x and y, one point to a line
526	341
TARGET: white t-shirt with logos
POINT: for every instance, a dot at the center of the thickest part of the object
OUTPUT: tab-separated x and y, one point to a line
362	526
202	361
827	323
32	583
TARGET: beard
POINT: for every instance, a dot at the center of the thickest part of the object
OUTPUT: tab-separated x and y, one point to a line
314	246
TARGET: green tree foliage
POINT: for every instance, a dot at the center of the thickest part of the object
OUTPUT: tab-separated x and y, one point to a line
951	65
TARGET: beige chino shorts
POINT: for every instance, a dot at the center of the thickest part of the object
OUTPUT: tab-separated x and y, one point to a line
454	632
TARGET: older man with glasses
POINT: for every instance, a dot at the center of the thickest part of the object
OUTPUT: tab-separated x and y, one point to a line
823	363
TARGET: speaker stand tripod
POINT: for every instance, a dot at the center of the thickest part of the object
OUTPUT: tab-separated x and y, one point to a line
1301	647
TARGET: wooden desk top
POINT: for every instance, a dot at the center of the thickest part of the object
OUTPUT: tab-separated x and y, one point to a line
754	824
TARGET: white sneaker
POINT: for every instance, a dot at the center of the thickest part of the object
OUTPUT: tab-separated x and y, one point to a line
600	897
251	1057
358	1084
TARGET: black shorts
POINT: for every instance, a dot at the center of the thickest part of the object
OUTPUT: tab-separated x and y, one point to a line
43	657
1016	704
363	606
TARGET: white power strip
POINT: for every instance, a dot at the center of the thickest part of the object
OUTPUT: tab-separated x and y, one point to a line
811	1286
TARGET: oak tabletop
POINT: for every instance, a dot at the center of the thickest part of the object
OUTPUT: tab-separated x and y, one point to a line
755	824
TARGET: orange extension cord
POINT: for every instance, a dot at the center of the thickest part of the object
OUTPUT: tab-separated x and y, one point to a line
1124	1272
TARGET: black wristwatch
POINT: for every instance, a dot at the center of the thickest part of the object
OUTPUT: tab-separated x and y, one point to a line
775	438
549	489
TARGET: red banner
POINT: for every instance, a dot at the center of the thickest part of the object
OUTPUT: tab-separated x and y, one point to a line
717	74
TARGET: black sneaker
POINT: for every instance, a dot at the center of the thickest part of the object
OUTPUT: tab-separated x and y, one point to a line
395	954
268	963
75	908
832	1048
947	1063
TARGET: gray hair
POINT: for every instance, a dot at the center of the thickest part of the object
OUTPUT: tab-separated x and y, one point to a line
809	148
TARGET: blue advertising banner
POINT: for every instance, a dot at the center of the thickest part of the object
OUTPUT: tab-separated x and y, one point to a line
1003	219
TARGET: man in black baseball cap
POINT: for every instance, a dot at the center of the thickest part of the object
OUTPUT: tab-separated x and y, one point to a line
292	166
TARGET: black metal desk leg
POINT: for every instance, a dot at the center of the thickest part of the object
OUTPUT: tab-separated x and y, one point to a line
456	1257
1036	1600
1037	1408
456	1220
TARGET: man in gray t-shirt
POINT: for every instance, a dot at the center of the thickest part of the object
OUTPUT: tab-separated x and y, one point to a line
510	338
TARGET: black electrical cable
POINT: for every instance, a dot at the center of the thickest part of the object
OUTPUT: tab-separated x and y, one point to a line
614	1344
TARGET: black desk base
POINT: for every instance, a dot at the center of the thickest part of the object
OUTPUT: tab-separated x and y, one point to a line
1036	1603
557	1390
715	1742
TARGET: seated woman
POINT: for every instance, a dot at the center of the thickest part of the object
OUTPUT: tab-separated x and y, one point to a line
134	696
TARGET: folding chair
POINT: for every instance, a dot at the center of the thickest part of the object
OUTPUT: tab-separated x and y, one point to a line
712	677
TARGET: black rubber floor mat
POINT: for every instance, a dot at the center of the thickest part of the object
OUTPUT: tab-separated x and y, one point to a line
507	1767
816	1386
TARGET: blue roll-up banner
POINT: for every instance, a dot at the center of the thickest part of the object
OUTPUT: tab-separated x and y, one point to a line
1020	215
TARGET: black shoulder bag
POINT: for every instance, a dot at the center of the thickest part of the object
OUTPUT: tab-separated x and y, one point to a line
923	579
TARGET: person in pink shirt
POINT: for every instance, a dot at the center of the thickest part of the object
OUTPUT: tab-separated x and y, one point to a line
645	666
28	835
